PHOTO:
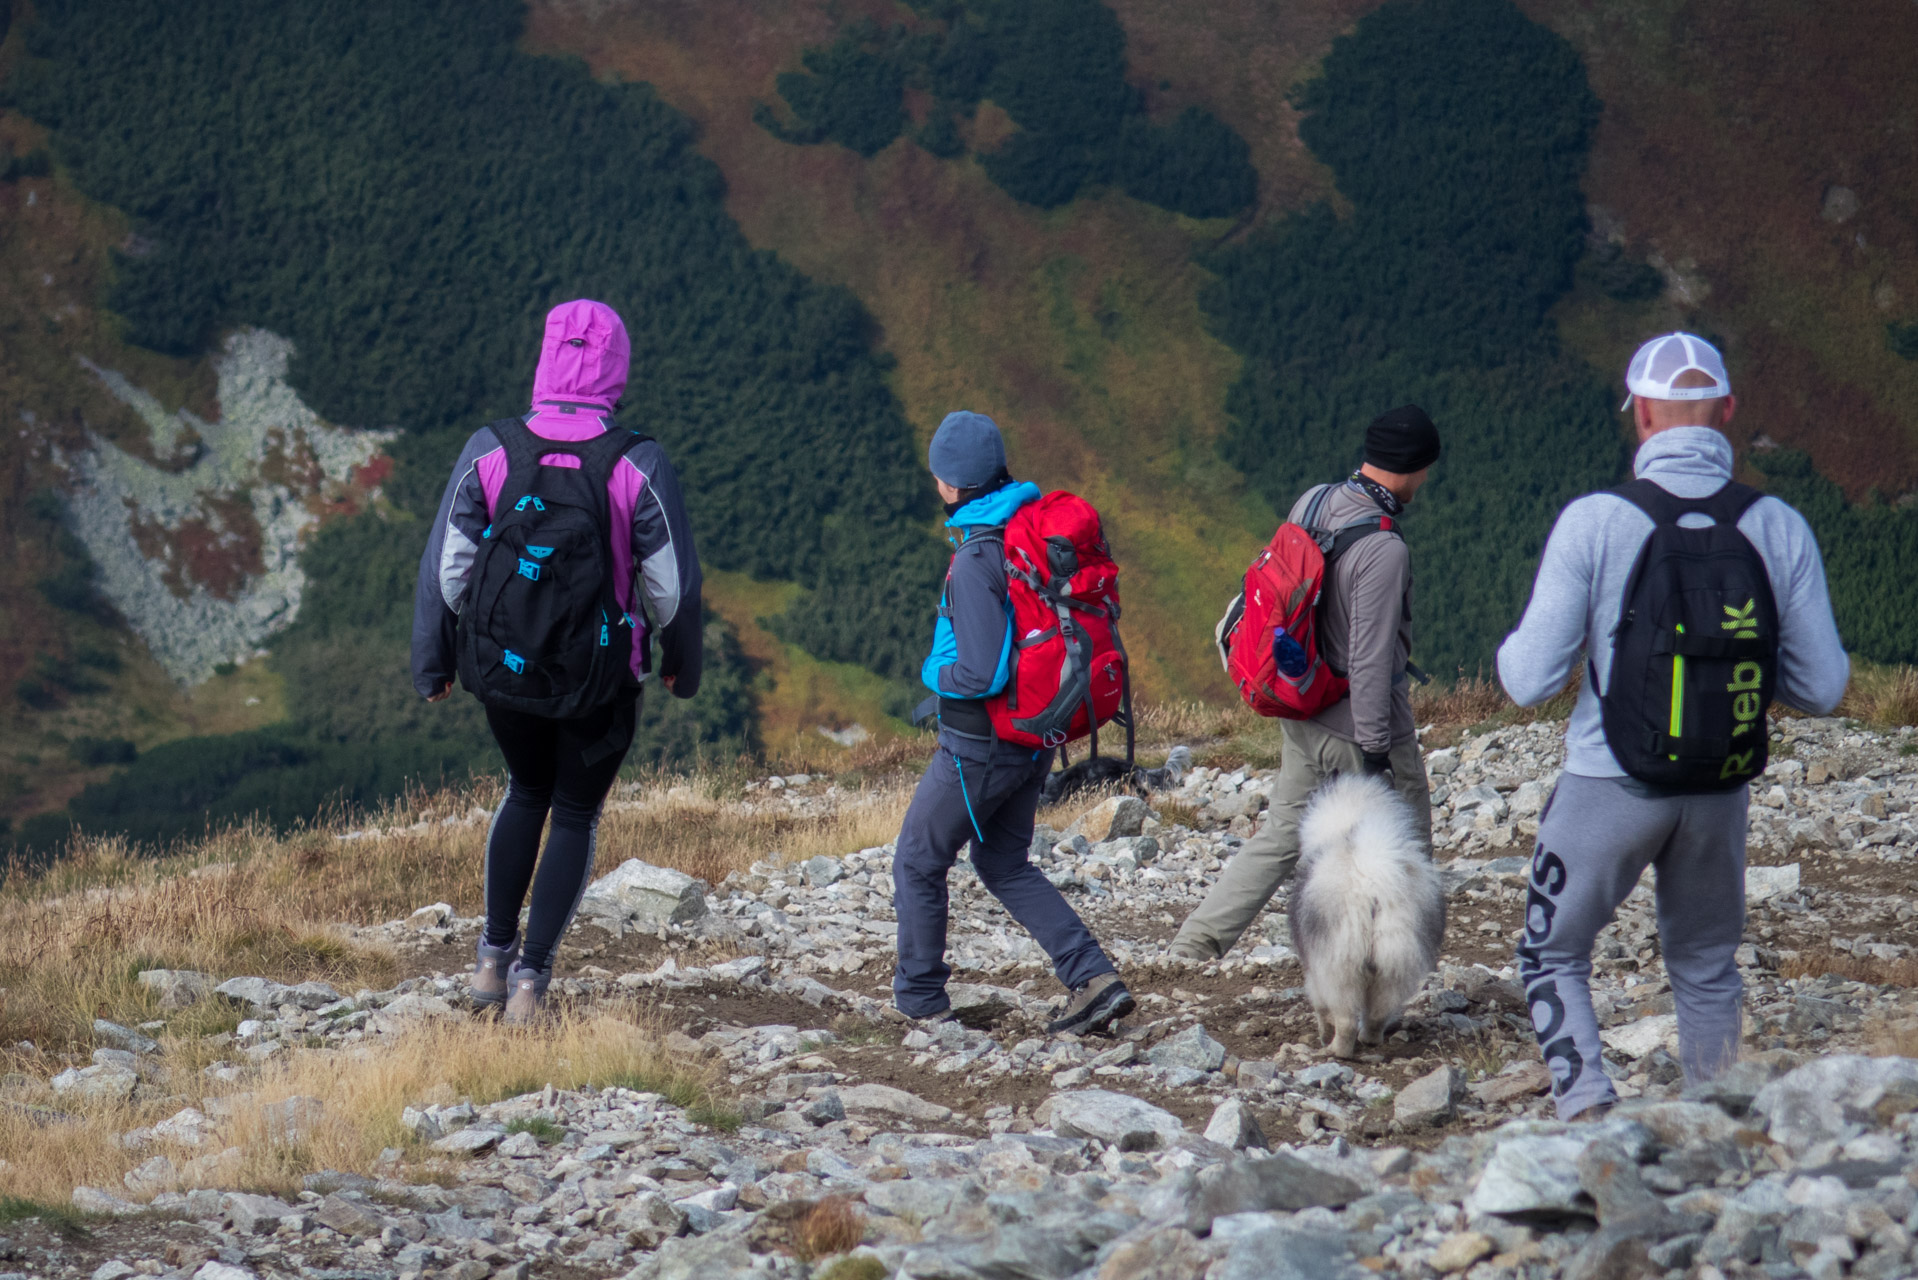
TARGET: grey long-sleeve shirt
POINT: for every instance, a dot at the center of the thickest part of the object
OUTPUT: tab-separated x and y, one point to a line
1581	588
1365	627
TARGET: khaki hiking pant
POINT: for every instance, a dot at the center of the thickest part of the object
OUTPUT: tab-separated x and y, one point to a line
1266	860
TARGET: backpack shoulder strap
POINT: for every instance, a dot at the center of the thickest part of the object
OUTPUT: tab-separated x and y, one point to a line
1726	505
1656	501
522	453
1729	505
599	455
1315	504
522	456
1346	535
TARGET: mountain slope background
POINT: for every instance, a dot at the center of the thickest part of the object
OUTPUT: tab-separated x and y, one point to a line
1188	373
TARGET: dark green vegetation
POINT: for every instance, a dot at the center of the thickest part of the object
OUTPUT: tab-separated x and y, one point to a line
1902	337
403	193
1869	549
67	584
1057	67
1466	222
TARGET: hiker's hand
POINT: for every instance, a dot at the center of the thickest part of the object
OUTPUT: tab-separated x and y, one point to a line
669	682
1377	764
446	691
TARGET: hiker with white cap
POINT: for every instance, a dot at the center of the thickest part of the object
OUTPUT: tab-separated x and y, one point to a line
1695	602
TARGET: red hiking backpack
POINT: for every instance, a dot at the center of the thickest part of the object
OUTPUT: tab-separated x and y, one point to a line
1269	636
1068	673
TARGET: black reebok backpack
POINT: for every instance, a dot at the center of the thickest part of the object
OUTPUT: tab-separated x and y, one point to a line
541	630
1695	655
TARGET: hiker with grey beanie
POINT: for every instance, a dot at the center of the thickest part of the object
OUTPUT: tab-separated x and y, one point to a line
980	788
1365	633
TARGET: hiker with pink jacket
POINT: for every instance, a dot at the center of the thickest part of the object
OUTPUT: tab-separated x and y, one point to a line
559	578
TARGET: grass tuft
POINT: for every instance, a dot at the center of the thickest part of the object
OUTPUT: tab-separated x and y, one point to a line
62	1218
866	1267
1884	697
540	1127
834	1225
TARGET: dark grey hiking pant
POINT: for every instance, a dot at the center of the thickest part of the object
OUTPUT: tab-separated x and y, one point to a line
1000	792
1596	837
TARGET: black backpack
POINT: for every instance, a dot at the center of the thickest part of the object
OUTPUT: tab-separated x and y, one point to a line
541	630
1695	655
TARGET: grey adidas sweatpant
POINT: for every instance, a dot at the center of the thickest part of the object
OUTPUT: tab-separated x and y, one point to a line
1596	837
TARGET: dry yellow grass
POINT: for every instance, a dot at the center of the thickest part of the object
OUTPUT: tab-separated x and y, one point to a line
834	1225
74	937
247	901
361	1091
1819	962
1882	696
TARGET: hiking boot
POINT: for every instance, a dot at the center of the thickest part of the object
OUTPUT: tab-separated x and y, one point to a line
1093	1008
1197	952
490	968
526	989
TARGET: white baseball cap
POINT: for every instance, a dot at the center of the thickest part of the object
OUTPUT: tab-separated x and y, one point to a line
1660	362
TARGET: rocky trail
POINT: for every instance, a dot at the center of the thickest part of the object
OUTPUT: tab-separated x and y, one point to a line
1207	1137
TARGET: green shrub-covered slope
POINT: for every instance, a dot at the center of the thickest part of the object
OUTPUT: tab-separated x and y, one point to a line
1057	67
404	193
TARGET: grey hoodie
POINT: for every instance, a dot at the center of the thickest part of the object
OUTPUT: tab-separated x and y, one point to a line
1581	588
1365	626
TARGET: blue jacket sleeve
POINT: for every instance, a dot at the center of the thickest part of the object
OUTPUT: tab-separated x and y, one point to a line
976	607
444	564
666	569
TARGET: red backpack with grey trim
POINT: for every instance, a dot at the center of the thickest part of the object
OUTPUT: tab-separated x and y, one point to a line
1069	672
1269	637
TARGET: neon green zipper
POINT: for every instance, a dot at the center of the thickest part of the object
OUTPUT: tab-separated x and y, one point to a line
1678	693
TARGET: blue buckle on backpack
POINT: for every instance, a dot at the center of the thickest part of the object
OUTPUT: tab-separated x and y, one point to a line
529	570
488	533
605	634
539	553
514	662
521	504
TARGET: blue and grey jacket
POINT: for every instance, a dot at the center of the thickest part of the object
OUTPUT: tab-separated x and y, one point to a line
656	569
972	641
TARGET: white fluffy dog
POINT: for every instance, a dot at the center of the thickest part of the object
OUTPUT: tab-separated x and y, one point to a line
1368	911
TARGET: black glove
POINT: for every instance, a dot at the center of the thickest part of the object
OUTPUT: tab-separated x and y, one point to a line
1377	764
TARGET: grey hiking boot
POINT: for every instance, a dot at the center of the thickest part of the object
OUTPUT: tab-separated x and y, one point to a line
490	967
526	988
1093	1008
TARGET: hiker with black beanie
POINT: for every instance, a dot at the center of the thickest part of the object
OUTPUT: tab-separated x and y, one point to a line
1365	633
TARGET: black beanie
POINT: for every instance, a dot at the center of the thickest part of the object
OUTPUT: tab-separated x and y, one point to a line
1402	440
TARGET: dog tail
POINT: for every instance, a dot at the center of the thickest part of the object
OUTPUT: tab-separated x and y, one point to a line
1369	902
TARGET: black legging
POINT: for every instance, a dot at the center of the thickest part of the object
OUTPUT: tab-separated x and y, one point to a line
567	766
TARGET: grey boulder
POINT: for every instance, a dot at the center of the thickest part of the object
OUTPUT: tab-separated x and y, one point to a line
643	895
1191	1048
1831	1099
1116	1119
1264	1184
